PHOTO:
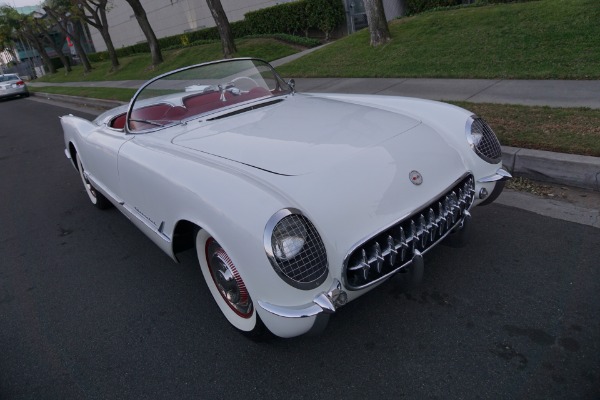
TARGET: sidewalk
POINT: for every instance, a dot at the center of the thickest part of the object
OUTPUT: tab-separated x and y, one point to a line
524	92
564	169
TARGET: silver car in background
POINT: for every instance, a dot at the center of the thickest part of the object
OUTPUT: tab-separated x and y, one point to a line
11	85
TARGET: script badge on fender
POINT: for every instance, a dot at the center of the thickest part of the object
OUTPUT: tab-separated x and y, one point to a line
415	177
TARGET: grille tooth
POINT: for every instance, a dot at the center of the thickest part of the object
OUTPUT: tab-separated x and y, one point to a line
411	236
378	257
433	226
392	250
424	232
403	244
414	235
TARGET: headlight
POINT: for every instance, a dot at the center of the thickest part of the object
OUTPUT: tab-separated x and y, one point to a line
483	140
295	249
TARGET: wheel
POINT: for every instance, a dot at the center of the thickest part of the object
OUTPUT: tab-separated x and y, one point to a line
96	197
227	288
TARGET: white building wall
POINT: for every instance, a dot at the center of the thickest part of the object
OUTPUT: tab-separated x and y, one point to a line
169	17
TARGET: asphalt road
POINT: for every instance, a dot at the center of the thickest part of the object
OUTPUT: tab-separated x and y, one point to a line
91	309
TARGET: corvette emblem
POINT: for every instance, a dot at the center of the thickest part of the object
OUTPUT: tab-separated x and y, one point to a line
415	177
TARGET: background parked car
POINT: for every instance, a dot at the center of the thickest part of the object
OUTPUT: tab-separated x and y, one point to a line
11	85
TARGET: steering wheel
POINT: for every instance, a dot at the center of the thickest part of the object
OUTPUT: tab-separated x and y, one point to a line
242	79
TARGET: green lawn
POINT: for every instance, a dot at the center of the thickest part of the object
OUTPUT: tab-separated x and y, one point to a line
565	130
139	66
546	39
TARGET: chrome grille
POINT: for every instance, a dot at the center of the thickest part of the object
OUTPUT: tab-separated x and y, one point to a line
306	269
394	247
489	147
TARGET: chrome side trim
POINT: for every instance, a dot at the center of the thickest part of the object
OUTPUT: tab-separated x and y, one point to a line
324	302
134	212
102	188
500	175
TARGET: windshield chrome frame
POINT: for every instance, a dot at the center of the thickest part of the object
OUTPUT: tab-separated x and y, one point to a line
133	100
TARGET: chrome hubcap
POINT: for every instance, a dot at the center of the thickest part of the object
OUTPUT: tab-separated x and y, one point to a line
227	279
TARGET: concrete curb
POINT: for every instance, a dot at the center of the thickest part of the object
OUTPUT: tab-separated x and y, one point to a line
80	101
545	166
560	168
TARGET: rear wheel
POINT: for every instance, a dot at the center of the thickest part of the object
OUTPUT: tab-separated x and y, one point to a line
96	197
227	287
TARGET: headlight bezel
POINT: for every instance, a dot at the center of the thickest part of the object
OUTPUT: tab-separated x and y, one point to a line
484	141
312	244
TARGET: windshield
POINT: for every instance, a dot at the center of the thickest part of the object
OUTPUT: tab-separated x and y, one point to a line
203	90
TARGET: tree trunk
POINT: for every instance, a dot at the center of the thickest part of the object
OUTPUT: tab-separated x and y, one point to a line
43	33
110	48
140	15
97	19
378	26
77	42
61	22
39	47
112	53
58	49
218	13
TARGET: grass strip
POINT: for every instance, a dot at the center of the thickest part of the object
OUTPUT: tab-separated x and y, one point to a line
546	39
139	66
564	130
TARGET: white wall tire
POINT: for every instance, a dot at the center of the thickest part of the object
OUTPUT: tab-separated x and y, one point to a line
234	300
95	197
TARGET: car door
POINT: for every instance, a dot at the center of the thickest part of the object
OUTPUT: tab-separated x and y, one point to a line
100	158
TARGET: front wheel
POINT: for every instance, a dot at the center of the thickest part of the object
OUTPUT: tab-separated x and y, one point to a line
96	197
227	287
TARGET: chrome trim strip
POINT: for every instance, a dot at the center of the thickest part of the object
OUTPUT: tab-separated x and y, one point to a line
324	302
102	188
268	232
500	175
134	212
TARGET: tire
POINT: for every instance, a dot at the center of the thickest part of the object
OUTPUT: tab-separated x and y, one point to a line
228	288
95	196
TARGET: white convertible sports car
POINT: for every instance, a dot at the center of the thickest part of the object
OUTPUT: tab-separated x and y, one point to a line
295	203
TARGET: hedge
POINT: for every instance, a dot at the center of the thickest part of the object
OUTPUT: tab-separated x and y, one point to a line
298	17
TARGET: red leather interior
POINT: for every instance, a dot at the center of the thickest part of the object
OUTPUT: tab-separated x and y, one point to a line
192	105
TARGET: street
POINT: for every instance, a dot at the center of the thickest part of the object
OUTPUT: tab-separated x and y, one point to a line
92	309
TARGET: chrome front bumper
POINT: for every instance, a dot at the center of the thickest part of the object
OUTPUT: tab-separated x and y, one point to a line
325	302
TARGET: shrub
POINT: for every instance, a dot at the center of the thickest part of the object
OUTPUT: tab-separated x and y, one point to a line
297	17
288	18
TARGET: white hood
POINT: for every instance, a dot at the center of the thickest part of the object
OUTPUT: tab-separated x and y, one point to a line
298	135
